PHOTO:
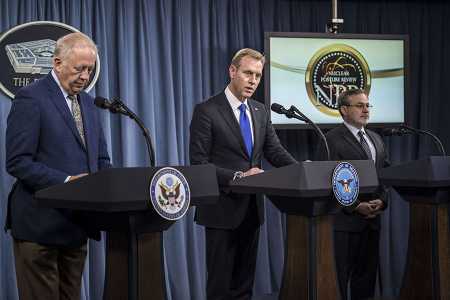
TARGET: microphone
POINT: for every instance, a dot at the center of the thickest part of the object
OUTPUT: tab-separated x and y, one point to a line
114	107
117	106
279	109
395	131
102	102
405	129
294	112
305	119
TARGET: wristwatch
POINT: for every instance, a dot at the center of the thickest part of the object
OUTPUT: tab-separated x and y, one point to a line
238	175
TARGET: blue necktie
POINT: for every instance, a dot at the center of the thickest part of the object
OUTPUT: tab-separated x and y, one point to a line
245	129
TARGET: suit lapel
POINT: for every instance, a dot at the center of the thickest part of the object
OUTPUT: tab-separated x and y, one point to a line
377	146
58	100
228	115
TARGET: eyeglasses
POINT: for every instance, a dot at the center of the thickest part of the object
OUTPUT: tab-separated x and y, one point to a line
361	105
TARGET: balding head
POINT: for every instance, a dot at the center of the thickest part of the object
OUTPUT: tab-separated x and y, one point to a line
67	43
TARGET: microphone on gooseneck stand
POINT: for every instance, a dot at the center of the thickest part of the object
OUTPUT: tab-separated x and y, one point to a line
117	106
293	112
405	129
279	109
114	107
395	131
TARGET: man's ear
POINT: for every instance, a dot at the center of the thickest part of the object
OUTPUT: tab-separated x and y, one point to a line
343	111
57	63
232	71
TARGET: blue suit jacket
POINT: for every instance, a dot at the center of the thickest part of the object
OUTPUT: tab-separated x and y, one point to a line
43	147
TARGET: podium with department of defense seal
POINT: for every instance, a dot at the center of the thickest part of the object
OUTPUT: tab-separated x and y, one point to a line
118	201
304	193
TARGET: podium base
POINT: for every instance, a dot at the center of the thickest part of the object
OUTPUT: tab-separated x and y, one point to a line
427	272
135	267
309	270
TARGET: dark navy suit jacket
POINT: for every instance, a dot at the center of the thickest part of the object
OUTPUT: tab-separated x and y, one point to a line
43	147
216	138
344	146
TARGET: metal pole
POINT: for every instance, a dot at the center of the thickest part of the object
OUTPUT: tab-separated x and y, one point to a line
334	9
333	24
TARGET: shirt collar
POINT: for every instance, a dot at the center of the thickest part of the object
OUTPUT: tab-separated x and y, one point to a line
233	100
354	130
59	84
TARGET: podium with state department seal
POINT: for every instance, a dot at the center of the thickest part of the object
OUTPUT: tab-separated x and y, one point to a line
134	206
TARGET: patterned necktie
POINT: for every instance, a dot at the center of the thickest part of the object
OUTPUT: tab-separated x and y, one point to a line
364	144
76	113
245	129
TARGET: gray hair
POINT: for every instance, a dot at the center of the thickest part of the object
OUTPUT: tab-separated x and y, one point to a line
65	44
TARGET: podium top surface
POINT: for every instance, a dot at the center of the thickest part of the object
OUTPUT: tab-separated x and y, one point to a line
125	189
430	172
305	180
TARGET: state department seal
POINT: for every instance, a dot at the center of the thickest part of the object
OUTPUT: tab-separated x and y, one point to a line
332	70
345	183
169	193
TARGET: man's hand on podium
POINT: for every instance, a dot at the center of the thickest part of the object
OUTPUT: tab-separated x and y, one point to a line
74	177
252	171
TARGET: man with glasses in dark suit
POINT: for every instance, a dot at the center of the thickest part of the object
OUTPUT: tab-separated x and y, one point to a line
357	231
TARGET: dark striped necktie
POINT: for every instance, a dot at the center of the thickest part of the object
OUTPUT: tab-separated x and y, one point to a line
364	144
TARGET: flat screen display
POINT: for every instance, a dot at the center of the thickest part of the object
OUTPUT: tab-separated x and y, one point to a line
310	70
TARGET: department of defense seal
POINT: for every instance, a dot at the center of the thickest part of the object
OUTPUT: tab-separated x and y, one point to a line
332	70
26	54
345	183
169	193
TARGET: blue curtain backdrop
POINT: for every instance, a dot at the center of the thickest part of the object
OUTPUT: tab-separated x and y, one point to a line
162	57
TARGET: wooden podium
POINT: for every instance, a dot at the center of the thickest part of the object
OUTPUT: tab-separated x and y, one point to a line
425	184
116	200
303	191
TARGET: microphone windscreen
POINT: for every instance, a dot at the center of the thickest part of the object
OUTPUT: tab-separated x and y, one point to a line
396	131
387	131
278	108
101	102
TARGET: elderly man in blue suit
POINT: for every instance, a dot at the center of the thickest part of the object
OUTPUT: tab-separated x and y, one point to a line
53	136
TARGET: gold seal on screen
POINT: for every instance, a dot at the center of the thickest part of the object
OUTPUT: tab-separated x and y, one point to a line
332	70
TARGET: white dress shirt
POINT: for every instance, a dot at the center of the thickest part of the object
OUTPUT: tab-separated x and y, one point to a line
68	101
63	91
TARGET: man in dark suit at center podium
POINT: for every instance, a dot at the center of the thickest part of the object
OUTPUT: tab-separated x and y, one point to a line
357	231
233	132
